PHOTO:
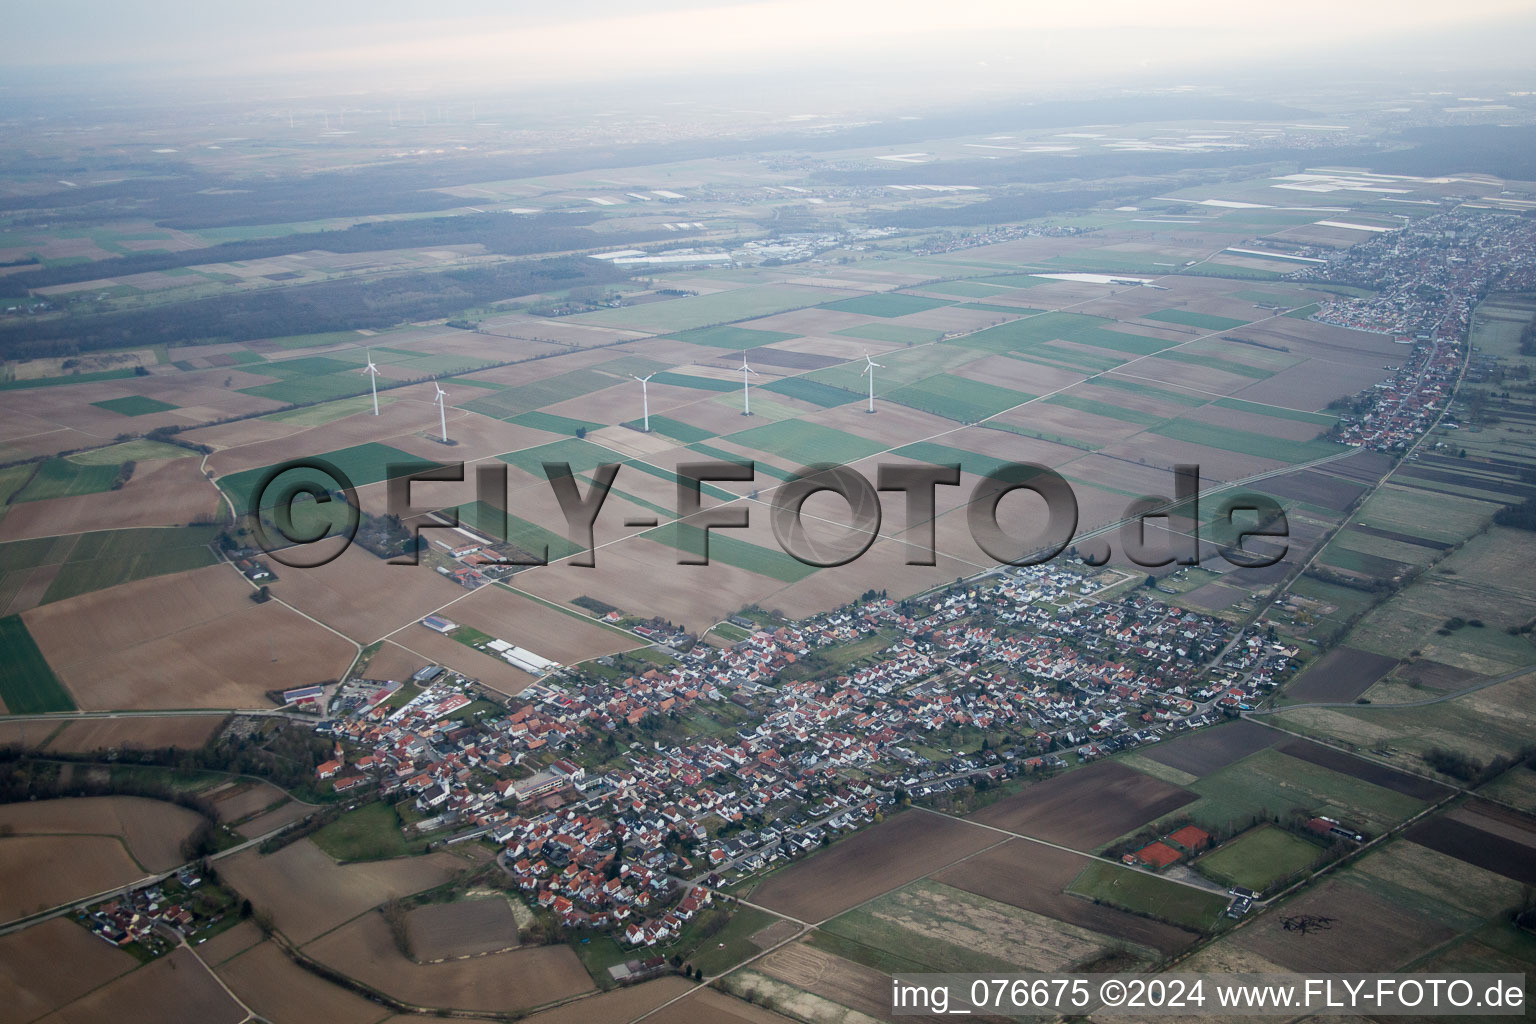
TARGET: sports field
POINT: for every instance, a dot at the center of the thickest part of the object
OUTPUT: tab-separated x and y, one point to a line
1259	857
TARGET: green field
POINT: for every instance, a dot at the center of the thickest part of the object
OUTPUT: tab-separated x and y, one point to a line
965	289
732	337
130	451
364	464
1263	446
74	378
929	926
994	307
957	398
1322	419
1258	858
1189	318
945	455
317	340
1215	363
318	415
695	311
583	456
94	561
1141	893
723	547
1446	518
13	479
1145	390
372	832
1097	408
684	432
688	380
301	390
535	395
1079	328
886	304
805	443
27	685
310	379
900	366
1269	783
807	390
62	478
554	424
892	333
135	405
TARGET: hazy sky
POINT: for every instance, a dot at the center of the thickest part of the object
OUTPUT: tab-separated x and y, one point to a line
596	39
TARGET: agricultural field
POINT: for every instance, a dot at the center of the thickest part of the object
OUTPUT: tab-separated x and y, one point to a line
1140	893
265	979
150	831
371	832
64	567
956	398
887	304
135	405
1036	878
43	871
874	861
1364	932
195	639
308	894
28	962
64	478
1270	783
1086	808
27	683
363	464
442	931
517	980
803	443
174	987
929	926
1209	750
1484	835
695	311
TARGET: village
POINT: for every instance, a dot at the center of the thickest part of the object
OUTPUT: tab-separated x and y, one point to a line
1426	278
625	806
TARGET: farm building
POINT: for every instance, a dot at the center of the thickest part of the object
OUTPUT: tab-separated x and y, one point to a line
439	624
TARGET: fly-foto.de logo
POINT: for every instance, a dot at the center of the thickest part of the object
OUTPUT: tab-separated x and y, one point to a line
301	503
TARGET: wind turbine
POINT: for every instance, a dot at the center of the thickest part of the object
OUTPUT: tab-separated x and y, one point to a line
645	402
870	367
746	391
373	381
442	410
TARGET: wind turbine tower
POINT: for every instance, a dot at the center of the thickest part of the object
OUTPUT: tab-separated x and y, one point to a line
442	410
373	382
870	366
645	402
746	388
